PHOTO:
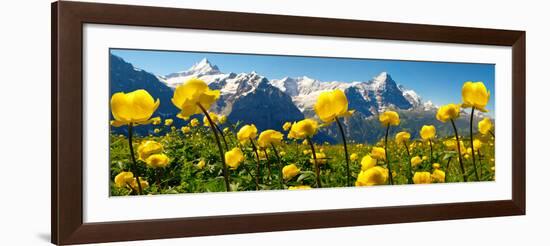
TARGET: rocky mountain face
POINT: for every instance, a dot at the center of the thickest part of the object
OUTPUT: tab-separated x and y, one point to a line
253	98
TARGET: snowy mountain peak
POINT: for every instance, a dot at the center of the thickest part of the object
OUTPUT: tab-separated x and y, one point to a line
381	81
203	67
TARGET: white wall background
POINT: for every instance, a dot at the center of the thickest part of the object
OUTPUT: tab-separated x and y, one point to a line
25	110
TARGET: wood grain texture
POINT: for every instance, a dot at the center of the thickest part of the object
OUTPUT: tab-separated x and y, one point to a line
67	122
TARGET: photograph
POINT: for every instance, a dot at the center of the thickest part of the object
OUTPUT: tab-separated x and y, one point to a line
203	121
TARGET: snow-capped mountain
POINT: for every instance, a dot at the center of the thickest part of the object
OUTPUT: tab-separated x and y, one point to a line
253	98
203	69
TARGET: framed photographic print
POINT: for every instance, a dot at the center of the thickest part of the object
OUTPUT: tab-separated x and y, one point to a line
174	122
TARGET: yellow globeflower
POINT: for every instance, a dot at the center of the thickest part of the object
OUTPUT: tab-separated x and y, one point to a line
477	144
378	153
168	122
367	162
147	148
331	104
436	166
389	118
282	153
485	126
448	112
299	187
156	121
415	161
290	171
190	94
305	142
223	119
303	129
157	161
201	164
372	176
123	179
269	137
144	183
306	152
475	94
156	130
425	158
438	176
402	137
321	158
353	157
427	132
451	145
194	122
287	126
234	157
213	116
133	108
246	133
422	178
185	129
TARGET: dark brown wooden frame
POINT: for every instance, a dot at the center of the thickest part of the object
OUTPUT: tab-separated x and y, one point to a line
67	133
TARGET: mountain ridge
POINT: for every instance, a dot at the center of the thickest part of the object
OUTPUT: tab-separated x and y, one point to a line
250	97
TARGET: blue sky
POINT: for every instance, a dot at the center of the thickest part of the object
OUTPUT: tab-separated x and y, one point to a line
440	82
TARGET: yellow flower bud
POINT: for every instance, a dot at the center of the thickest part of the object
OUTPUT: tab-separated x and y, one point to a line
147	148
246	133
269	137
485	126
427	132
475	94
389	118
185	129
189	95
287	126
422	178
331	104
448	112
234	158
194	122
378	153
133	108
201	164
290	171
303	129
353	157
367	162
415	161
402	137
438	176
123	179
372	176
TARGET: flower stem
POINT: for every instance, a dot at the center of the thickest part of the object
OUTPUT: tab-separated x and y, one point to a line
222	156
280	165
448	169
492	133
459	153
345	150
386	152
472	142
258	170
480	164
431	152
268	166
409	176
317	168
130	133
223	136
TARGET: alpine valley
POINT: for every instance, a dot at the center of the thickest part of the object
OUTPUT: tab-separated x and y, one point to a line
270	102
